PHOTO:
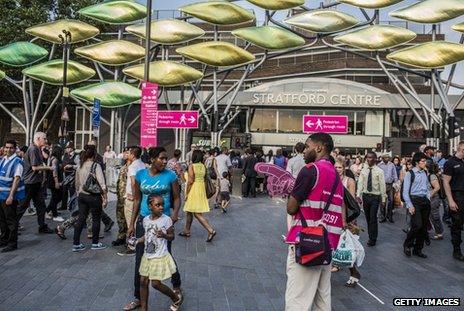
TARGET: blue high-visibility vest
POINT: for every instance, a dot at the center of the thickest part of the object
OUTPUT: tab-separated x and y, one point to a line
7	171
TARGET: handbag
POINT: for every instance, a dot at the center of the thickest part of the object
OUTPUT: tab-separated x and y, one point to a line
312	246
211	171
91	185
353	210
209	186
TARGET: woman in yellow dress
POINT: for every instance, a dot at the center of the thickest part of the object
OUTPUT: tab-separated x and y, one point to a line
197	203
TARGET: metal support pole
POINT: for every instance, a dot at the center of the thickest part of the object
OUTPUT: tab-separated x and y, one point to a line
148	39
214	132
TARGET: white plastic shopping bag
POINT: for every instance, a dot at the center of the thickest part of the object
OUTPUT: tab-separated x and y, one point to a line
345	254
359	249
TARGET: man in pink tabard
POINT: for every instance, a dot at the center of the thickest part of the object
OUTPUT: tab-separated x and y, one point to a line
309	288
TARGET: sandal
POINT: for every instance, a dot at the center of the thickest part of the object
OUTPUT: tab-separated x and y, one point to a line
132	305
335	269
184	234
438	237
176	305
352	282
211	236
60	233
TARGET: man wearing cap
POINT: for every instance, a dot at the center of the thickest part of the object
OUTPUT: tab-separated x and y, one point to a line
391	177
189	154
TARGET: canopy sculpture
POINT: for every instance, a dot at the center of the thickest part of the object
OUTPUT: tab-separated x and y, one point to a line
111	68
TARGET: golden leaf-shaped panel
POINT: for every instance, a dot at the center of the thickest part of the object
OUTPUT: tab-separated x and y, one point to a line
51	72
112	52
275	5
2	75
111	94
115	12
216	53
80	31
169	31
21	53
165	73
218	12
459	27
430	55
431	11
269	37
322	21
377	37
370	4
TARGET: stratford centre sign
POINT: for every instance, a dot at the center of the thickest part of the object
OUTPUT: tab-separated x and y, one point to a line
317	98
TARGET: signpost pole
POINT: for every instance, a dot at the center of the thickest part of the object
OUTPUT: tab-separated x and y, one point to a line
96	118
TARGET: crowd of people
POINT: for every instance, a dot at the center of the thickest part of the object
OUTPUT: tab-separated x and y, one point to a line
154	187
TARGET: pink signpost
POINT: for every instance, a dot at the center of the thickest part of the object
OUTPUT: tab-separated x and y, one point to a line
325	124
178	119
149	115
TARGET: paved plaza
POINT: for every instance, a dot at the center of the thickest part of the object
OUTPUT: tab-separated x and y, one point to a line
243	269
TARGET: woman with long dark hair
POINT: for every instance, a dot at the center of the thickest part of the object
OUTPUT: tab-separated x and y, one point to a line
54	182
92	203
197	203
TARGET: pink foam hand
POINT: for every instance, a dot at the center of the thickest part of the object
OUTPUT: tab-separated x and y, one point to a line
279	182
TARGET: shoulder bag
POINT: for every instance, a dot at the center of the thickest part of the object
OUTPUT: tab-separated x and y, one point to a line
91	185
312	247
352	207
209	186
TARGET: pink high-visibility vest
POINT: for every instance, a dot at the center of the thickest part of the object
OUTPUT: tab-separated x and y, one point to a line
313	207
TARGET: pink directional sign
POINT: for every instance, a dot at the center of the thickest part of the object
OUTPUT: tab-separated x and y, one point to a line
148	115
177	119
325	124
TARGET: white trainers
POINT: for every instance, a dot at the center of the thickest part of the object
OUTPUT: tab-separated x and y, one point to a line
58	219
48	216
30	212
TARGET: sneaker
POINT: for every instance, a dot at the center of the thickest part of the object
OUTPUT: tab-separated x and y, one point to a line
30	212
48	216
78	248
127	253
58	219
98	246
109	226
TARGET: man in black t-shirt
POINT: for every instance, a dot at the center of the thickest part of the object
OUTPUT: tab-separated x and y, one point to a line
33	178
453	182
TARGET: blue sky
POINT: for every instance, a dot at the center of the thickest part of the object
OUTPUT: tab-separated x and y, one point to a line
445	28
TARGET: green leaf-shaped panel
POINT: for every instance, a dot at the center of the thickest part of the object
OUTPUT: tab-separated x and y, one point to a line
216	53
21	53
51	72
165	73
80	31
112	52
168	31
370	4
322	21
115	12
377	37
218	12
430	55
111	94
458	27
2	75
275	5
269	37
431	11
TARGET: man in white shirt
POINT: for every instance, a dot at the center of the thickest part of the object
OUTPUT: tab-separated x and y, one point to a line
223	161
296	163
109	154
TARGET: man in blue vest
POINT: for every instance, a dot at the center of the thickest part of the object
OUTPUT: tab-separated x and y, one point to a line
12	191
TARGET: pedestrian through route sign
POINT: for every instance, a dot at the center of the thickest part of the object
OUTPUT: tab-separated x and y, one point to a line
325	124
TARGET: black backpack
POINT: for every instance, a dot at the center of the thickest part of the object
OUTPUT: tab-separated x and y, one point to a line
413	176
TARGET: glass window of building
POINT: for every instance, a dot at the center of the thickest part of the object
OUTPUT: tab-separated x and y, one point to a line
15	127
350	115
360	123
263	120
404	124
290	121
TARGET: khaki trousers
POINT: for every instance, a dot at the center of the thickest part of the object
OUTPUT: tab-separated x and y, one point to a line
308	288
128	205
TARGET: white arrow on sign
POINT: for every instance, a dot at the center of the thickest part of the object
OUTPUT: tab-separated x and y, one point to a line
309	123
192	119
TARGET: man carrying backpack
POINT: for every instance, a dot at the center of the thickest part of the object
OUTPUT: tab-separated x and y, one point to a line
313	201
417	198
